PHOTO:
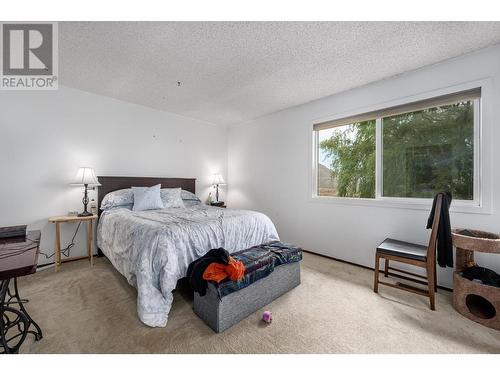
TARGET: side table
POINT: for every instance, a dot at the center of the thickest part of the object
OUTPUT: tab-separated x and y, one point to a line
57	220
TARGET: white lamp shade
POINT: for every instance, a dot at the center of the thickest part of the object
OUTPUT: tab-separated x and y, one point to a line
86	176
217	179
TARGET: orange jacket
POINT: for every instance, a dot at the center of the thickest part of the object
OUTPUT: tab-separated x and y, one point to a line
217	272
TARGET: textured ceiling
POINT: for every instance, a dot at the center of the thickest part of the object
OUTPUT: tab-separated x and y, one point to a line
231	72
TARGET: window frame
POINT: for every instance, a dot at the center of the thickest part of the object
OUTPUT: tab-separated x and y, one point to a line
476	205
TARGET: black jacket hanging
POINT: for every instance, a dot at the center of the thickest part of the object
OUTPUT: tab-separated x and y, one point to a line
444	241
197	268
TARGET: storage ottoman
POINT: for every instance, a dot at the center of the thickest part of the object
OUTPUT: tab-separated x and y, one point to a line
271	271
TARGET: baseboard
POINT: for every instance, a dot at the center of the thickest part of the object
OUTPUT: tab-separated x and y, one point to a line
40	267
359	265
44	266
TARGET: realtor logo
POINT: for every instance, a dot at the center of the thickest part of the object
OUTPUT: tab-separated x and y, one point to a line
28	56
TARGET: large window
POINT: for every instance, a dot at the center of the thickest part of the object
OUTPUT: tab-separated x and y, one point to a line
409	151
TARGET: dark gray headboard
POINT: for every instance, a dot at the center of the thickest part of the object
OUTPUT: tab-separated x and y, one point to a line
112	183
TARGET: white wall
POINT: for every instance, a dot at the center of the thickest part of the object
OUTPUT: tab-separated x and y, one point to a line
270	167
45	136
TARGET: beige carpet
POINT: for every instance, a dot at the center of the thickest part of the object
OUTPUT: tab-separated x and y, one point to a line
92	310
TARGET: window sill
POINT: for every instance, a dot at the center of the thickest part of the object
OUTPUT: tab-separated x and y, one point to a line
403	203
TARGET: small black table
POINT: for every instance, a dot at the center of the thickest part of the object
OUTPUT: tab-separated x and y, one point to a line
18	257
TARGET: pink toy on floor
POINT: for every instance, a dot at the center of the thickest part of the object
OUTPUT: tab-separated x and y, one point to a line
267	316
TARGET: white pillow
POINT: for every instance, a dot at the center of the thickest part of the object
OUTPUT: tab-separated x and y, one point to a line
147	198
117	198
172	198
188	196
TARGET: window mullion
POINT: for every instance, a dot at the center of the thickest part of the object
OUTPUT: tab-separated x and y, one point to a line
315	186
378	158
477	173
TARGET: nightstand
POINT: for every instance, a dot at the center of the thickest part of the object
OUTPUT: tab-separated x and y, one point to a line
220	205
57	220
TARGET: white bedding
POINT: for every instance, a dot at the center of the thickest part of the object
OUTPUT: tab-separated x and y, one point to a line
153	249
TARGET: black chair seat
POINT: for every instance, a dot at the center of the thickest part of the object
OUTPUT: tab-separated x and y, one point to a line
403	249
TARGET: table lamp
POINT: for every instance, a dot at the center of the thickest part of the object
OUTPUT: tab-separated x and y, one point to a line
86	177
216	181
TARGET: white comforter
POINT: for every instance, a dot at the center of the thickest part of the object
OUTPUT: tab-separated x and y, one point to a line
153	249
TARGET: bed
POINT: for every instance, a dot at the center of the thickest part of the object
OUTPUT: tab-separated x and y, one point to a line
153	249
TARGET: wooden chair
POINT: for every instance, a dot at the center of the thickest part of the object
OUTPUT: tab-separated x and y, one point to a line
415	255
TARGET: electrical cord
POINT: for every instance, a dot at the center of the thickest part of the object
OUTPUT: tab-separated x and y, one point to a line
67	250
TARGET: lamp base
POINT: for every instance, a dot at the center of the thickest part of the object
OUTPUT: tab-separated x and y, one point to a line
85	214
